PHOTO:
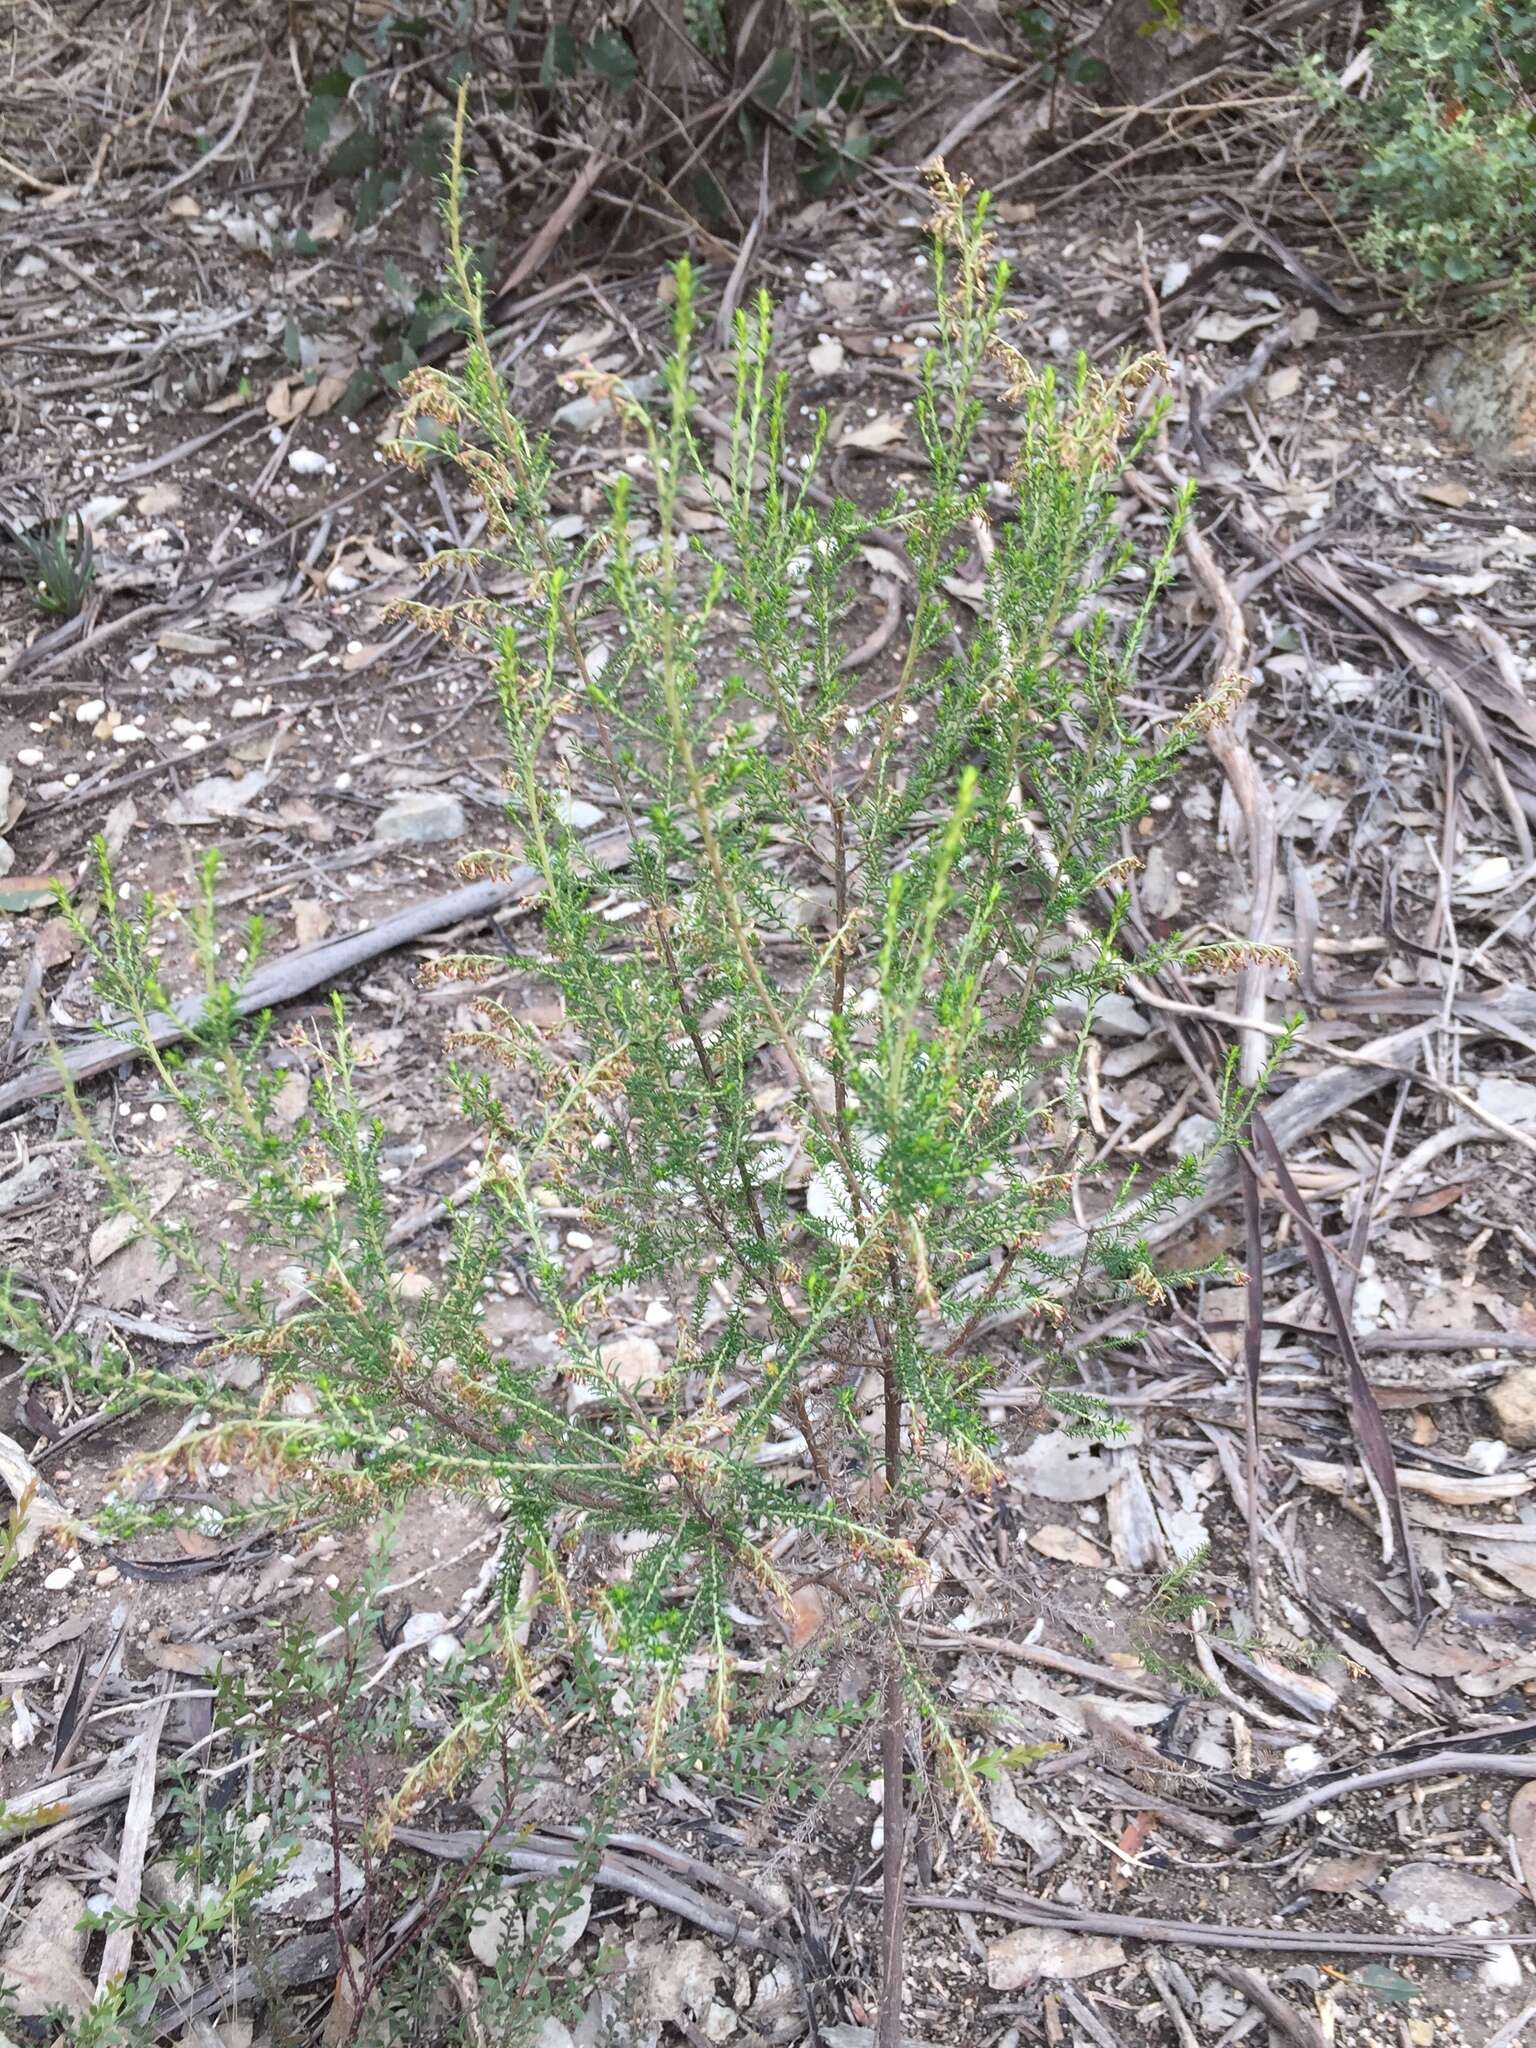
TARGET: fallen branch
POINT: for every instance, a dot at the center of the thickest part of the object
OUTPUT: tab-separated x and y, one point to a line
1437	1766
1028	1912
540	1856
299	974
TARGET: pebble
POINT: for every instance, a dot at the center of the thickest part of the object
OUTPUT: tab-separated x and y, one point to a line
59	1580
1486	1455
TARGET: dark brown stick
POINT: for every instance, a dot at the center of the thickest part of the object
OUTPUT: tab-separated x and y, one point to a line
1294	2025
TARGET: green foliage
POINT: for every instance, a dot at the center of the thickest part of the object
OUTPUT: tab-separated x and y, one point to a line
339	1757
1177	1594
819	1088
779	1756
1054	41
1446	140
355	126
59	565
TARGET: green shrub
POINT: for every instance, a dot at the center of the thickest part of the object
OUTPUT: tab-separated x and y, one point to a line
1447	143
814	1081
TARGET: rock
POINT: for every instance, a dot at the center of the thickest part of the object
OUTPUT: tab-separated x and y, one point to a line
216	797
420	817
1022	1958
575	812
1340	1875
1512	1101
1161	895
1513	1402
1116	1016
99	512
1484	391
553	2033
1501	1968
1522	1825
682	1979
1220	2005
1486	1455
635	1362
1061	1467
41	1968
776	1991
304	1889
1433	1898
28	1183
844	2034
1193	1134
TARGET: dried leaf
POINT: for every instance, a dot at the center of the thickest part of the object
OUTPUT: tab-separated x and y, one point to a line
1432	1653
1342	1874
1066	1546
1024	1957
1228	327
807	1615
1062	1468
882	432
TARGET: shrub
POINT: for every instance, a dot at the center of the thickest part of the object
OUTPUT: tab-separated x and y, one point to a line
814	1081
1447	143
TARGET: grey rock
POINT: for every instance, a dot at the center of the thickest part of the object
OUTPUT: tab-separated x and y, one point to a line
1485	391
42	1967
216	798
1512	1101
28	1183
1193	1134
846	2035
304	1890
1433	1898
420	817
1116	1016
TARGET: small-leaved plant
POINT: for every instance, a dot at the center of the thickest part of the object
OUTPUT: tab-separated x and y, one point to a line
1444	136
806	1064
